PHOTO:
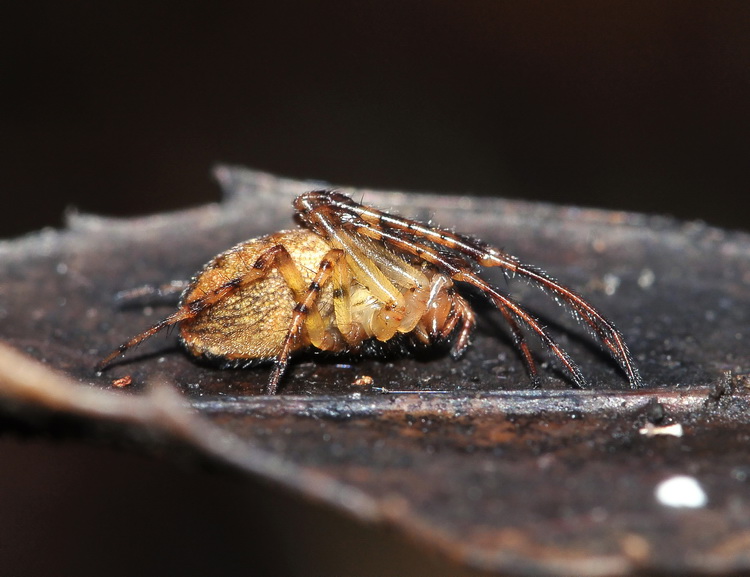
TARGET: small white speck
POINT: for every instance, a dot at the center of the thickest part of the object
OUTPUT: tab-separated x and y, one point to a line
651	430
646	278
62	268
681	491
611	284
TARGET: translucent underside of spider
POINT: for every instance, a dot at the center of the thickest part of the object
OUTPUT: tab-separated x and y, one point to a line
352	275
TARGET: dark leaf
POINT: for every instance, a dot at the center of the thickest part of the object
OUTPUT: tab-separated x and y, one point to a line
462	455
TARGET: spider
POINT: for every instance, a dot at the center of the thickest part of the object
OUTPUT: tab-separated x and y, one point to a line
353	275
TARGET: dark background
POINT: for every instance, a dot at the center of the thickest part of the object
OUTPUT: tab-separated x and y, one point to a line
122	108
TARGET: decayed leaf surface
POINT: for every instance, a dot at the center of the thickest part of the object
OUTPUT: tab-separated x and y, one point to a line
464	455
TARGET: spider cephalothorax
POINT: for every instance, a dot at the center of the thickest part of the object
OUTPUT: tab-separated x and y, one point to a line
353	274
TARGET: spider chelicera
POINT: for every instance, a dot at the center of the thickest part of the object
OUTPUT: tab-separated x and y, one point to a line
352	275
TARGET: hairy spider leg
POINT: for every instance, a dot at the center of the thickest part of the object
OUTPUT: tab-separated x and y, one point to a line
301	312
508	306
519	340
489	256
275	257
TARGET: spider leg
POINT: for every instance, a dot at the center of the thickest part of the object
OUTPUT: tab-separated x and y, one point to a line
511	310
301	312
275	257
489	256
519	340
599	325
314	324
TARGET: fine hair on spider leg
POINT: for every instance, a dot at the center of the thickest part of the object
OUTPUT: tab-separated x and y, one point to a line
354	275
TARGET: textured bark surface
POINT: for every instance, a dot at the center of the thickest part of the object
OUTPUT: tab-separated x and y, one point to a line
462	455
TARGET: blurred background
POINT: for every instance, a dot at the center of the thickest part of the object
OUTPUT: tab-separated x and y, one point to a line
122	108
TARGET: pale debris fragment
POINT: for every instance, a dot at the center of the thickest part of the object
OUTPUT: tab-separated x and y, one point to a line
651	430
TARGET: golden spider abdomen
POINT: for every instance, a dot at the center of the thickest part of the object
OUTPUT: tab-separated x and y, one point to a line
251	322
